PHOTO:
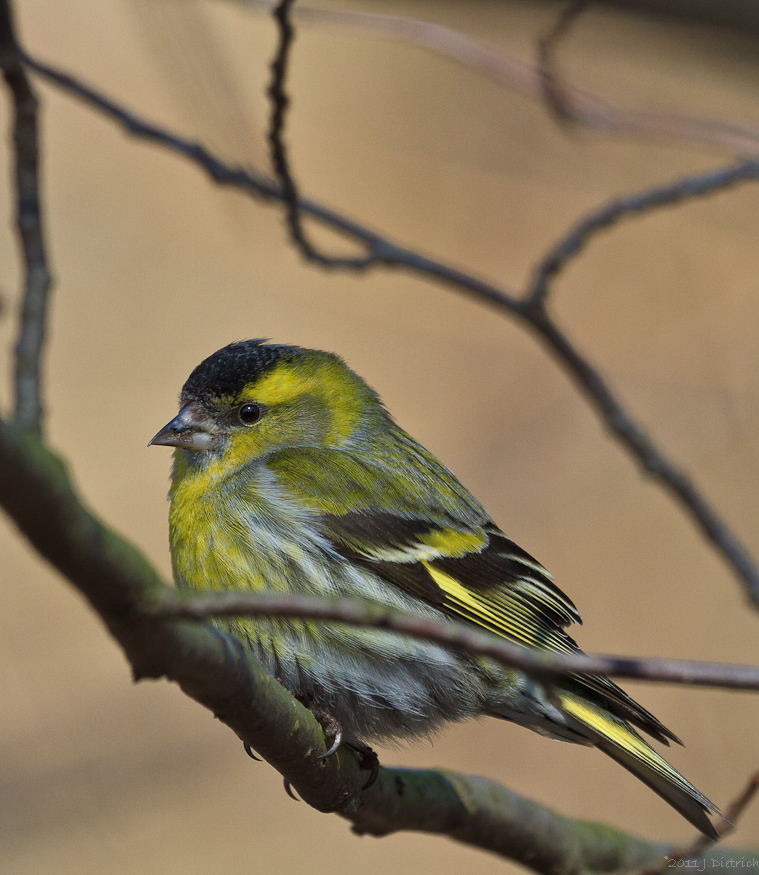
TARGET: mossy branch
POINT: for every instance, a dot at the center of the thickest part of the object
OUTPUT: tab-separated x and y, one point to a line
212	668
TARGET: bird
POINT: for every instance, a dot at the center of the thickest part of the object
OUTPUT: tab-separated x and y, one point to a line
291	476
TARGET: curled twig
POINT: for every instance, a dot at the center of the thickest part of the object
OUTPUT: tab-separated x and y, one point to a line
214	669
595	111
279	106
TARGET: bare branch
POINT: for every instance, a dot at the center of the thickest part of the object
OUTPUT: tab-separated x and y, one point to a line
738	137
384	251
460	636
688	188
37	278
216	671
640	445
556	96
279	106
533	315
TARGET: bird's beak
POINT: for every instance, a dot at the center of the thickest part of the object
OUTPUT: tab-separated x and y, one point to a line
191	429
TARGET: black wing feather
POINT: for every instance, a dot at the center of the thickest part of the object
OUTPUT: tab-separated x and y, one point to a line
496	585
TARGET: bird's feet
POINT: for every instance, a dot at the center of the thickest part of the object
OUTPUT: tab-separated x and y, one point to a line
288	786
331	726
368	759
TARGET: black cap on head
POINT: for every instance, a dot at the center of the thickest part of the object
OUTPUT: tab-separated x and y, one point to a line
229	370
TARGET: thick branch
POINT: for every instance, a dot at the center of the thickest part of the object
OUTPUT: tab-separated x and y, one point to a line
479	812
37	279
213	668
457	635
530	311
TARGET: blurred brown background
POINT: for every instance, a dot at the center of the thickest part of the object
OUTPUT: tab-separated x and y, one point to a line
157	268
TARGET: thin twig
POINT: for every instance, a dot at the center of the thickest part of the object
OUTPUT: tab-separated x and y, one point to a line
383	250
202	606
280	103
577	238
640	445
738	137
533	314
37	279
702	843
557	97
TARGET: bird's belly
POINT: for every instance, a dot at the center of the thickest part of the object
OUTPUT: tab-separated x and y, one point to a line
377	684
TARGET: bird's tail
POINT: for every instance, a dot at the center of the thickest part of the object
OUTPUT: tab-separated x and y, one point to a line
616	738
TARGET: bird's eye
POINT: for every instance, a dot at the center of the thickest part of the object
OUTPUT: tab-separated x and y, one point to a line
250	413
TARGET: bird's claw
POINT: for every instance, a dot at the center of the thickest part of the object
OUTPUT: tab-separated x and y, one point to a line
250	753
288	786
368	759
338	740
330	726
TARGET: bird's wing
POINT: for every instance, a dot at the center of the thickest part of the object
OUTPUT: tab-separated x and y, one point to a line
419	529
451	556
474	573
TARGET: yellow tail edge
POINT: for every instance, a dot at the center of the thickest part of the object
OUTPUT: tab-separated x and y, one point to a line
618	740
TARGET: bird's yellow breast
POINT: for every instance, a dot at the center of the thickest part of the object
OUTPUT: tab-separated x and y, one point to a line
234	531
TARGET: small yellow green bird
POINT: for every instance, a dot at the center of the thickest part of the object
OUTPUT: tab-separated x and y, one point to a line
291	476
